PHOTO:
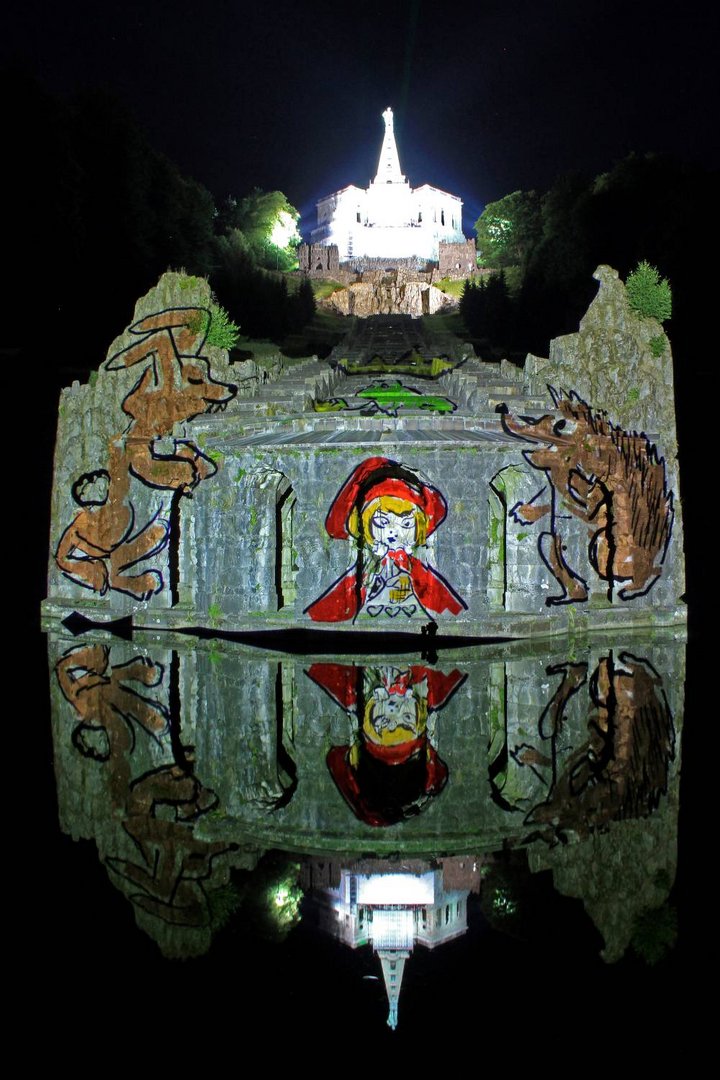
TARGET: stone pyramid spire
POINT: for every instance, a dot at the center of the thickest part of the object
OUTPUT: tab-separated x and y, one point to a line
389	163
393	966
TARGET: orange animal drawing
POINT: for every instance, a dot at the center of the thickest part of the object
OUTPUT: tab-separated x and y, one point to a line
101	547
175	385
104	543
168	879
611	479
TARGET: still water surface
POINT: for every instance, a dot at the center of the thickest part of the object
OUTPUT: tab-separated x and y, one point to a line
383	839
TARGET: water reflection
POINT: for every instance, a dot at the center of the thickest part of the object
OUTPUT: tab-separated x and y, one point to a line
193	768
392	767
392	907
138	773
611	763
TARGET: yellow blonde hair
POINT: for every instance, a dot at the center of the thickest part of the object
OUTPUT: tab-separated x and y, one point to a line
400	734
358	522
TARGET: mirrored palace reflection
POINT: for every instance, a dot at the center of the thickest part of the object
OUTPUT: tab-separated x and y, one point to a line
385	802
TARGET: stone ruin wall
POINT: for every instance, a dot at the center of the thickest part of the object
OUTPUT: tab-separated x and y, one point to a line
375	286
361	264
457	260
319	260
396	292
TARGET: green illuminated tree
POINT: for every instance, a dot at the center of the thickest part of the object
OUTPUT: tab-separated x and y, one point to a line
507	229
649	294
269	224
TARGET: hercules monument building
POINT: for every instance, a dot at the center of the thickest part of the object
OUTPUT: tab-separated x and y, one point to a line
389	219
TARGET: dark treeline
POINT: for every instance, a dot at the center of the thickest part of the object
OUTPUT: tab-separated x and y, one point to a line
96	214
647	208
258	300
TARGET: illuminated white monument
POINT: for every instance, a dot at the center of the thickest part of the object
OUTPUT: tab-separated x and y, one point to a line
393	912
389	219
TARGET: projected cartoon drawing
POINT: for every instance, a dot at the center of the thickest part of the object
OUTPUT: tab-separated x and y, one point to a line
570	777
388	511
611	479
387	398
175	385
105	543
392	768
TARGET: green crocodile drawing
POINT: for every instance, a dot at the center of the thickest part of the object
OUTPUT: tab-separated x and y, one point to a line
387	398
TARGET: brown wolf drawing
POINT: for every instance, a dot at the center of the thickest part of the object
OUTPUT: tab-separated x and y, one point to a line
175	385
103	544
611	479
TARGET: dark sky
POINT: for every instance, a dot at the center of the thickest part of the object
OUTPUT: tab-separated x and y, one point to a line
489	97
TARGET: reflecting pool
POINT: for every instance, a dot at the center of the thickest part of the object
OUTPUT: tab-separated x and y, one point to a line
364	835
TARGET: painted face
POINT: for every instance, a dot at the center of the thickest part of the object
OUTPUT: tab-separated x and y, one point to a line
392	532
394	717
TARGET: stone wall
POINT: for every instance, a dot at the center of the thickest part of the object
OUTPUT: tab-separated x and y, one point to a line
561	512
388	292
319	260
360	264
611	360
123	458
457	260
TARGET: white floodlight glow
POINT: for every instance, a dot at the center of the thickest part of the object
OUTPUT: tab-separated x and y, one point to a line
284	231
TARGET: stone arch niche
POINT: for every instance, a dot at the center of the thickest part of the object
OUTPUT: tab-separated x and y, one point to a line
285	566
244	537
271	511
512	551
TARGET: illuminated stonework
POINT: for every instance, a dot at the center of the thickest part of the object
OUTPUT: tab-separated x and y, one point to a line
360	495
389	219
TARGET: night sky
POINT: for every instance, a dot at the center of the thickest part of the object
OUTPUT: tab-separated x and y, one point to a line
488	98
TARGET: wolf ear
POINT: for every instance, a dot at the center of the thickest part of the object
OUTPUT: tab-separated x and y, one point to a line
170	318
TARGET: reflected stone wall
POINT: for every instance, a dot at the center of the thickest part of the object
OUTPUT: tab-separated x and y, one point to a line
184	763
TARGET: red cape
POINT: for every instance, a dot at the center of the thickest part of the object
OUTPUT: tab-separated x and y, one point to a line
340	602
436	774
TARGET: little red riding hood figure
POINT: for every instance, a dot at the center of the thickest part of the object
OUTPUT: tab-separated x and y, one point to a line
391	769
389	511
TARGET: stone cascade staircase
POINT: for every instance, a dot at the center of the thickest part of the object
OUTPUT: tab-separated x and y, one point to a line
478	388
293	393
474	386
392	337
